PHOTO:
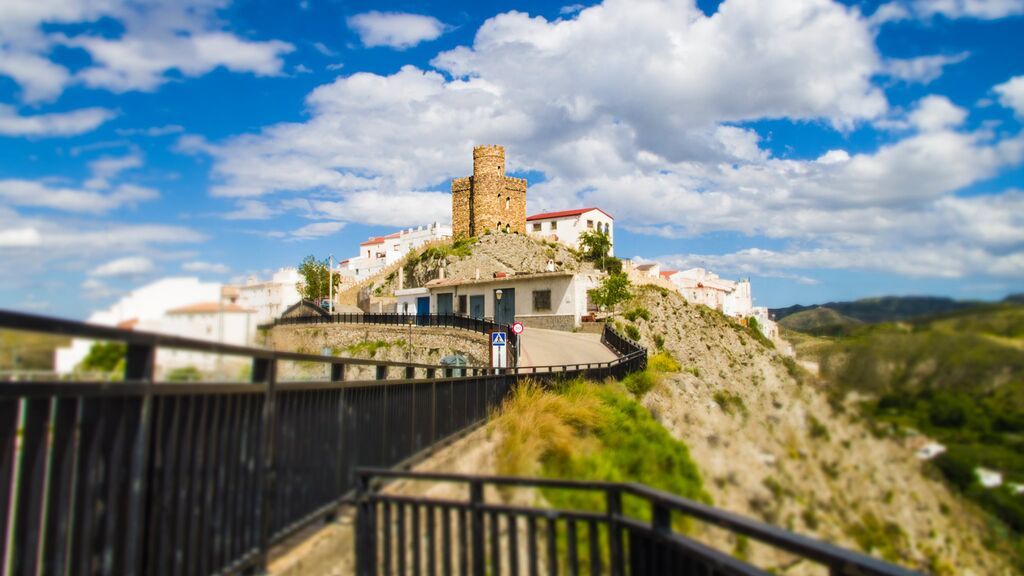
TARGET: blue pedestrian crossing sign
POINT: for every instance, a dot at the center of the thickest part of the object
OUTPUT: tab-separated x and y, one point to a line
497	338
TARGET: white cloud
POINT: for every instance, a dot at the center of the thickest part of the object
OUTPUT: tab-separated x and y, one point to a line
323	49
981	9
124	267
157	37
570	9
1011	94
205	267
151	131
109	167
52	124
38	194
19	237
316	230
251	210
673	159
936	113
923	69
395	29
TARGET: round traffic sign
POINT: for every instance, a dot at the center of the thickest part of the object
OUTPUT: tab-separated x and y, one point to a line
517	327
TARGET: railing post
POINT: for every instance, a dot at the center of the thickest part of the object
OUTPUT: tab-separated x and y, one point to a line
476	501
365	531
139	366
382	372
264	370
410	372
431	372
614	506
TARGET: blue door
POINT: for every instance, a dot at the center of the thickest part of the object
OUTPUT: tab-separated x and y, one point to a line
476	306
423	308
505	307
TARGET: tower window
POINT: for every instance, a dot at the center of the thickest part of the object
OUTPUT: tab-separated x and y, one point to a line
508	202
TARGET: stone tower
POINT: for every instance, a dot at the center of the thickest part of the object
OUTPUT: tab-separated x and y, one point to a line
488	200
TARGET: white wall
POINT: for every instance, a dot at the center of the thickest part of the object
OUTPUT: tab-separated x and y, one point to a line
568	228
144	303
237	328
272	297
568	295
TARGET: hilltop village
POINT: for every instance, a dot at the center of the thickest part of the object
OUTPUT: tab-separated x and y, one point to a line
549	291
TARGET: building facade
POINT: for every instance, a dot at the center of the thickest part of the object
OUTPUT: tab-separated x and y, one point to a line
269	298
488	200
566	226
553	300
380	252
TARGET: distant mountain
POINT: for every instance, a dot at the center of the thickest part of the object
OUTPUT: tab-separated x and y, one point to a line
884	309
820	321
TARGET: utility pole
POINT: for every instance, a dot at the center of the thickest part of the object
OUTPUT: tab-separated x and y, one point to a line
330	281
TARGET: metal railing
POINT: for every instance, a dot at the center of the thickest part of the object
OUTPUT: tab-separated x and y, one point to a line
396	534
140	476
480	325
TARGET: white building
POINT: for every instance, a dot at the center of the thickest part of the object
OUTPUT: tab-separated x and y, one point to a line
701	286
555	300
269	298
930	450
381	251
218	321
145	303
567	225
988	478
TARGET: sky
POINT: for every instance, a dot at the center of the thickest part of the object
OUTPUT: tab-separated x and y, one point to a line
826	150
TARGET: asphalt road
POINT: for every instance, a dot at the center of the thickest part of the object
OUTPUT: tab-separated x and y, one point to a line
550	347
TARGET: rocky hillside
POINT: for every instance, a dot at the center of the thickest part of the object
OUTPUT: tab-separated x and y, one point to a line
769	444
490	253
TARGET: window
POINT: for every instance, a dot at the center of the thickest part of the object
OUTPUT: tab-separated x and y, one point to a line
542	300
554	225
462	304
508	202
536	226
590	223
508	228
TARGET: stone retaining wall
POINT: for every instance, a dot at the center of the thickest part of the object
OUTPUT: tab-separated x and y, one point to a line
565	323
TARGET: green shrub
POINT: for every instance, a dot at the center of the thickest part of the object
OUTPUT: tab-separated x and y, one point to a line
730	403
816	429
640	383
659	341
185	374
638	312
104	357
632	331
663	362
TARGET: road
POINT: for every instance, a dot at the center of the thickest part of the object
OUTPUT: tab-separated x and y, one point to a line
550	347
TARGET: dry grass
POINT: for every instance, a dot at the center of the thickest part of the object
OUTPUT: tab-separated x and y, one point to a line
535	423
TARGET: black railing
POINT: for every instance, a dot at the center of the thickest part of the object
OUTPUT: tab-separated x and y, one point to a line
397	534
480	325
141	476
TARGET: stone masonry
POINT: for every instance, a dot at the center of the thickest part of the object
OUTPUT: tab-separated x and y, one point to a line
488	200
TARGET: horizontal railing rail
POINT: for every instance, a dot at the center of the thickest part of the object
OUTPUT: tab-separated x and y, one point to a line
494	538
141	476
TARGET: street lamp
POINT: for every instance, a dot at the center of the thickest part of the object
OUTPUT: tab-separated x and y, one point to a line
497	294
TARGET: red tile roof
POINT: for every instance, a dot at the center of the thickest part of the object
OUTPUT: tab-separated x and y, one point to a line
566	213
667	273
374	240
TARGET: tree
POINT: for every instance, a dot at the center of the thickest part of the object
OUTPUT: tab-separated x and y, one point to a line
103	357
595	245
613	290
314	279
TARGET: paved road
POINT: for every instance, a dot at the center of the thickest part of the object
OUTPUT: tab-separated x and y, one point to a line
548	347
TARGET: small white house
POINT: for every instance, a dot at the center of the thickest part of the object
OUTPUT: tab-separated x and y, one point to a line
567	225
554	300
217	321
988	478
930	450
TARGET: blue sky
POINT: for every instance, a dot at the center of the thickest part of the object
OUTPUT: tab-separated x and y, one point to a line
826	150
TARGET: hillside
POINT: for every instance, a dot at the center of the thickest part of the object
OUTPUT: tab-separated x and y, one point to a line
821	320
883	309
770	443
957	378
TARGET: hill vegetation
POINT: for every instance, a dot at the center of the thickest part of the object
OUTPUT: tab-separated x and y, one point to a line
884	309
957	377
